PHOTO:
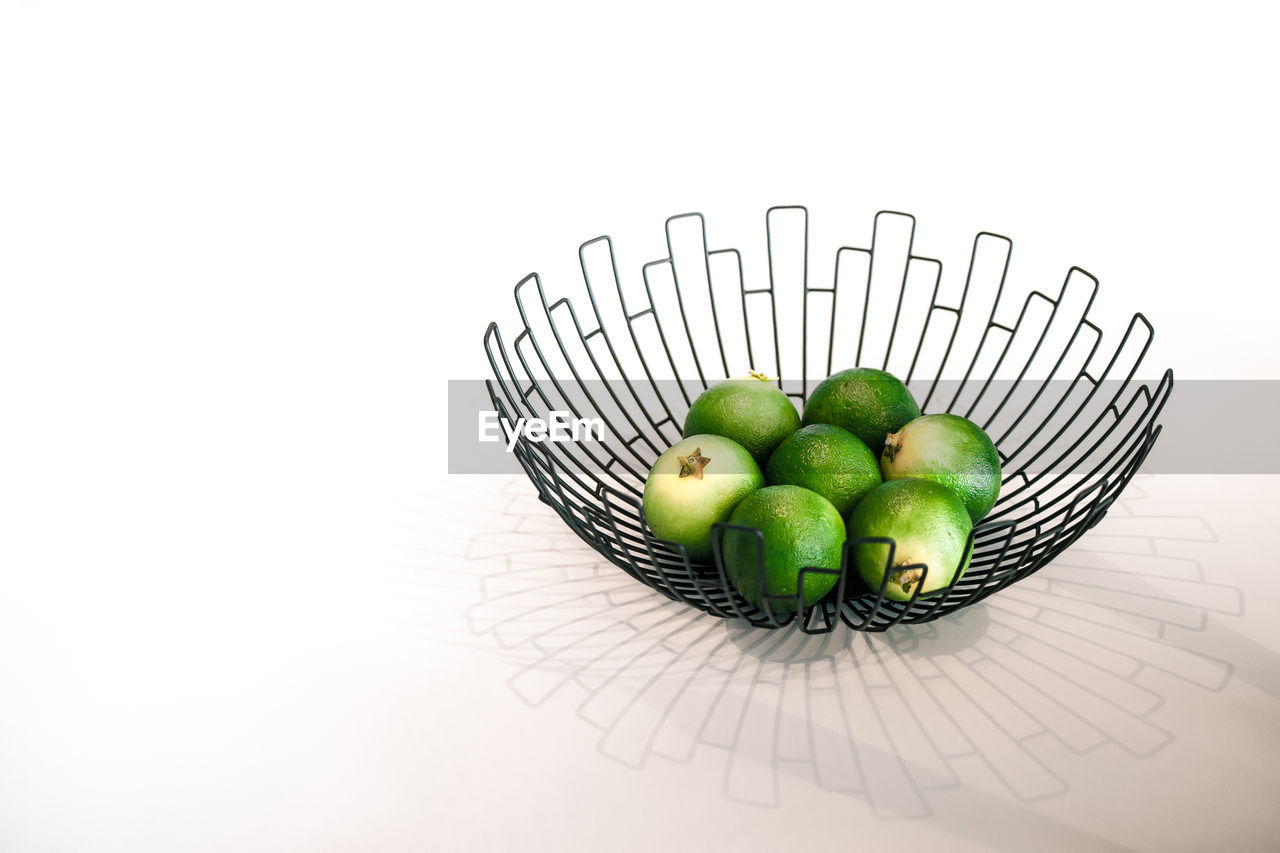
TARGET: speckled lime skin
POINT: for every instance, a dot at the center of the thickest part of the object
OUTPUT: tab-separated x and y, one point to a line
867	402
801	528
928	524
828	460
753	412
949	450
682	509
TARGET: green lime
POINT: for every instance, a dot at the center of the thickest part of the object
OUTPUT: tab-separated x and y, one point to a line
694	484
950	450
801	529
751	410
828	460
867	402
928	525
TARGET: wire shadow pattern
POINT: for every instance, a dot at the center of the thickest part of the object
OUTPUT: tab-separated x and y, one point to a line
887	718
1071	421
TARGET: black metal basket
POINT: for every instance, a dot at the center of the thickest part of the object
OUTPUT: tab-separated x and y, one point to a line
1070	439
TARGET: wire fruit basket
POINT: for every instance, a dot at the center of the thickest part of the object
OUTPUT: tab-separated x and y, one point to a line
1070	420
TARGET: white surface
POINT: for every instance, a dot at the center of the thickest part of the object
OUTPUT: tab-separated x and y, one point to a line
243	246
1120	699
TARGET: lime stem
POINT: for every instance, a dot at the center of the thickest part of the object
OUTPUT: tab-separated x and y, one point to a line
692	465
905	578
892	445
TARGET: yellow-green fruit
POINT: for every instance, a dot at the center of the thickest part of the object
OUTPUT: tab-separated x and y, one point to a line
867	402
694	484
801	529
928	524
828	460
951	451
751	410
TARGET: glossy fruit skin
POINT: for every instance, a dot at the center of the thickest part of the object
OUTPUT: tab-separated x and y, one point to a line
753	412
682	509
828	460
949	450
928	524
867	402
801	529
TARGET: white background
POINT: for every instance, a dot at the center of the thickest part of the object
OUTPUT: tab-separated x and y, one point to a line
243	245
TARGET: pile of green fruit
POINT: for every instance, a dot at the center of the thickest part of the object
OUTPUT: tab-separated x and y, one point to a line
861	462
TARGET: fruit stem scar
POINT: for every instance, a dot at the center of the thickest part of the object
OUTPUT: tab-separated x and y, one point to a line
892	445
905	578
763	377
692	465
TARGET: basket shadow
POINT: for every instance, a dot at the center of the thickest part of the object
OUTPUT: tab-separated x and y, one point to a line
1073	659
